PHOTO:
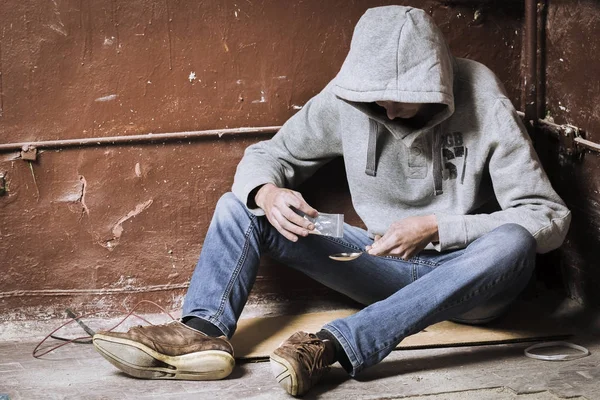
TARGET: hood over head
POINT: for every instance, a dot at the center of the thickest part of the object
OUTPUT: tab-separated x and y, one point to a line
398	54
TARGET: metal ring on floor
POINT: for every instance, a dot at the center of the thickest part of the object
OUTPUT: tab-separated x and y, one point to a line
557	357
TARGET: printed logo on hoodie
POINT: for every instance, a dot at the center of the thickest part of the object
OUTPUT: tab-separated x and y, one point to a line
455	156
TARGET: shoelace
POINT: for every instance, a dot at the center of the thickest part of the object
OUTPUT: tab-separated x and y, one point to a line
310	354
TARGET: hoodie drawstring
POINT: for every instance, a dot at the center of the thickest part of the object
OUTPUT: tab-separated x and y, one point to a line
371	168
436	155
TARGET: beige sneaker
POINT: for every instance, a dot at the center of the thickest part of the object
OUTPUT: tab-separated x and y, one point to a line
169	351
299	362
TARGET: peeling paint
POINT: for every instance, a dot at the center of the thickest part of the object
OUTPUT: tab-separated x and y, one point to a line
125	282
58	29
563	108
262	98
109	41
243	46
59	26
84	207
118	228
177	301
71	196
110	97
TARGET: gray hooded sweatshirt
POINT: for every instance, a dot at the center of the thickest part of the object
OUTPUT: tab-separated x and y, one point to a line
465	150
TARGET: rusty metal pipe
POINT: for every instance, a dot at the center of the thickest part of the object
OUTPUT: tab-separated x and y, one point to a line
134	139
530	79
547	126
556	131
589	145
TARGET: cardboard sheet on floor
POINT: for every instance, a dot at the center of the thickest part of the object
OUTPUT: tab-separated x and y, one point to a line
256	338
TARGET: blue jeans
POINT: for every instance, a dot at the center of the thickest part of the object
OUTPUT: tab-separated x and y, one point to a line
471	285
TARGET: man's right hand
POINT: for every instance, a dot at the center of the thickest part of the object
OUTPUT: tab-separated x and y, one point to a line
277	202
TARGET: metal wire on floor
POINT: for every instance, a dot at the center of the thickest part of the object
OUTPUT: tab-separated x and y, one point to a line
38	353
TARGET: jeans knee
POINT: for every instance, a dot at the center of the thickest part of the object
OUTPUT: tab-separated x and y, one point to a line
229	206
517	240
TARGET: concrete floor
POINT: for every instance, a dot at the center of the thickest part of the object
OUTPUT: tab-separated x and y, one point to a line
496	372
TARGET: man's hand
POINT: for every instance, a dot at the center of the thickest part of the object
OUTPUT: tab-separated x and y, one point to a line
277	202
406	238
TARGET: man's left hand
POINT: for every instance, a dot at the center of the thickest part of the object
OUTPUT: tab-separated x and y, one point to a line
406	238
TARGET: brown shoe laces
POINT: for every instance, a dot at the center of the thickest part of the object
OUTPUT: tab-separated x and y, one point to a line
311	356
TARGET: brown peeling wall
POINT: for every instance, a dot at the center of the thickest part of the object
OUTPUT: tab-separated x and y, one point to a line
100	228
573	96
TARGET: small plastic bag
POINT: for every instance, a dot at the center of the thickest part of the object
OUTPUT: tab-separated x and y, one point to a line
327	224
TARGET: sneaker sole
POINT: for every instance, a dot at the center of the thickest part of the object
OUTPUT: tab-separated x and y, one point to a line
140	361
285	374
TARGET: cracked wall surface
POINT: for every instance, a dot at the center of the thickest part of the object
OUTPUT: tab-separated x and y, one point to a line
572	87
99	228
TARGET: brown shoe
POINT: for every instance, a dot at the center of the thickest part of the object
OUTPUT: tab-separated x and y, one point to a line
299	362
169	351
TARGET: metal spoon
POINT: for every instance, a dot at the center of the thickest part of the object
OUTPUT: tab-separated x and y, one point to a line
345	256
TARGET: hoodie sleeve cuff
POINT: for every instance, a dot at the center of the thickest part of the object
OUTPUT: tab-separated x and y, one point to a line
452	232
242	191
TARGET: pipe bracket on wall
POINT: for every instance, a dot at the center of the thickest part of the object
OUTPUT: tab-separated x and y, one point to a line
29	153
568	145
572	143
570	137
